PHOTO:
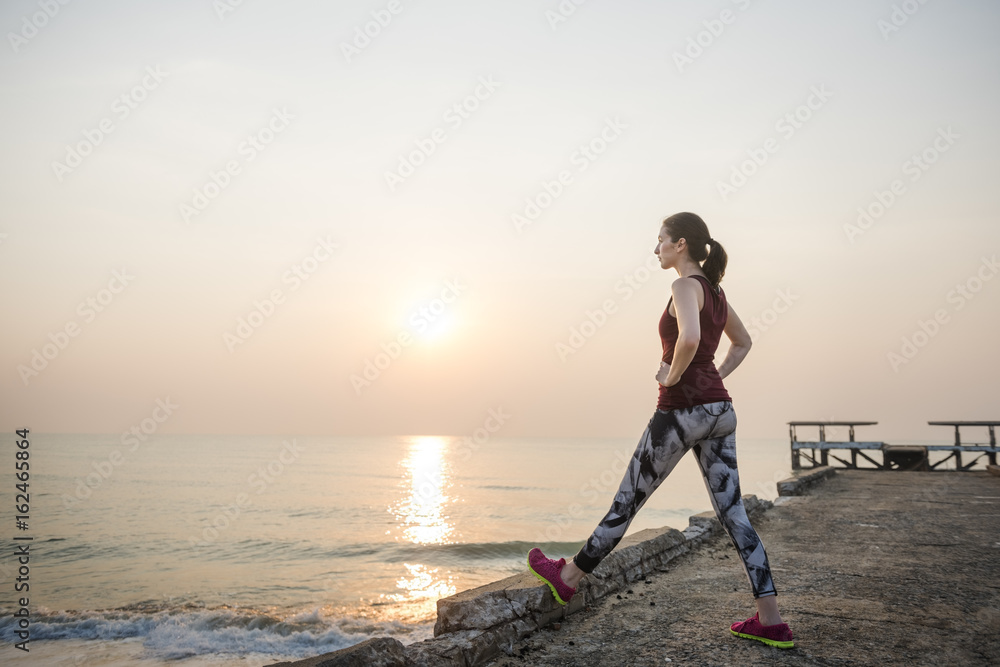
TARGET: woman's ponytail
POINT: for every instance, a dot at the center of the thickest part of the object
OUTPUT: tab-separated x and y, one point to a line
715	266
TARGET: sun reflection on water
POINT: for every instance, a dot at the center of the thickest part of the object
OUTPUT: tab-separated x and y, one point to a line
422	519
421	513
421	588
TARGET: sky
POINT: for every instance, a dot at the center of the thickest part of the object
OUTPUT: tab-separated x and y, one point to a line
400	217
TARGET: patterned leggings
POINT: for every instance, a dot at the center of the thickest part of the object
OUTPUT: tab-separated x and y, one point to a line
710	430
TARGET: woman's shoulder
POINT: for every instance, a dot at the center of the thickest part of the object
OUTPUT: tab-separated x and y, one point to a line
703	280
690	288
692	284
688	280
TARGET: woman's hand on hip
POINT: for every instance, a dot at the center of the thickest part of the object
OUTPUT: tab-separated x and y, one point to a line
661	375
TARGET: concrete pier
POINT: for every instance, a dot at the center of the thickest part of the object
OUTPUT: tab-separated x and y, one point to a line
871	569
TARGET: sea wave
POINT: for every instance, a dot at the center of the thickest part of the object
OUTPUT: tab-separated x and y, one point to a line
172	632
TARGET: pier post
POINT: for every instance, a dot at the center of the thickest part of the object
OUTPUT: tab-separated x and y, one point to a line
823	452
796	464
992	456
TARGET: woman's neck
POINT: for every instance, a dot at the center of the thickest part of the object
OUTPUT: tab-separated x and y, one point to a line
689	269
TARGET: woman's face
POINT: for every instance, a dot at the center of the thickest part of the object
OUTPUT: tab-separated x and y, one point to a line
665	249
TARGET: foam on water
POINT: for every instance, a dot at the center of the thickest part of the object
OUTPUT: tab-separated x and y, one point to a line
172	634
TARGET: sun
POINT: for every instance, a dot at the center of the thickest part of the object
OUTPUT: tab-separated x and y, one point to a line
438	329
436	318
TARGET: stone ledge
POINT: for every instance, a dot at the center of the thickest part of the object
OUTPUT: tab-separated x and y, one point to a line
476	625
801	480
375	652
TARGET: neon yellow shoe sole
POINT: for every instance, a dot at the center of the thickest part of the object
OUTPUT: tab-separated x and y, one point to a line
769	642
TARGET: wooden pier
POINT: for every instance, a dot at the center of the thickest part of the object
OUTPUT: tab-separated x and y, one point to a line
893	457
989	449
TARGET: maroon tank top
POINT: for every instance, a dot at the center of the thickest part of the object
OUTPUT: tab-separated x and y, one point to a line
700	383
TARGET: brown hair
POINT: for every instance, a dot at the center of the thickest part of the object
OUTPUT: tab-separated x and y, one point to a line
692	228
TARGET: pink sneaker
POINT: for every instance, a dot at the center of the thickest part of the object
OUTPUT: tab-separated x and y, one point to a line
779	635
548	571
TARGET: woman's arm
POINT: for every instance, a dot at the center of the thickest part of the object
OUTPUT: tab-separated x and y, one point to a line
685	293
737	333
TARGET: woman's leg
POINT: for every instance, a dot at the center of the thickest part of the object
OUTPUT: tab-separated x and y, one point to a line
767	610
717	459
668	436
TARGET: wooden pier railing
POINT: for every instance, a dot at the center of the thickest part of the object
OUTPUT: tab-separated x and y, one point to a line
894	457
823	446
988	449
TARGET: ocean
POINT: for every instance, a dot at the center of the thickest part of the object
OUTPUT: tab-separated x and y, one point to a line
189	550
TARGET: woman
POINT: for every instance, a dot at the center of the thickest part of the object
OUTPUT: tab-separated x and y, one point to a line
694	411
